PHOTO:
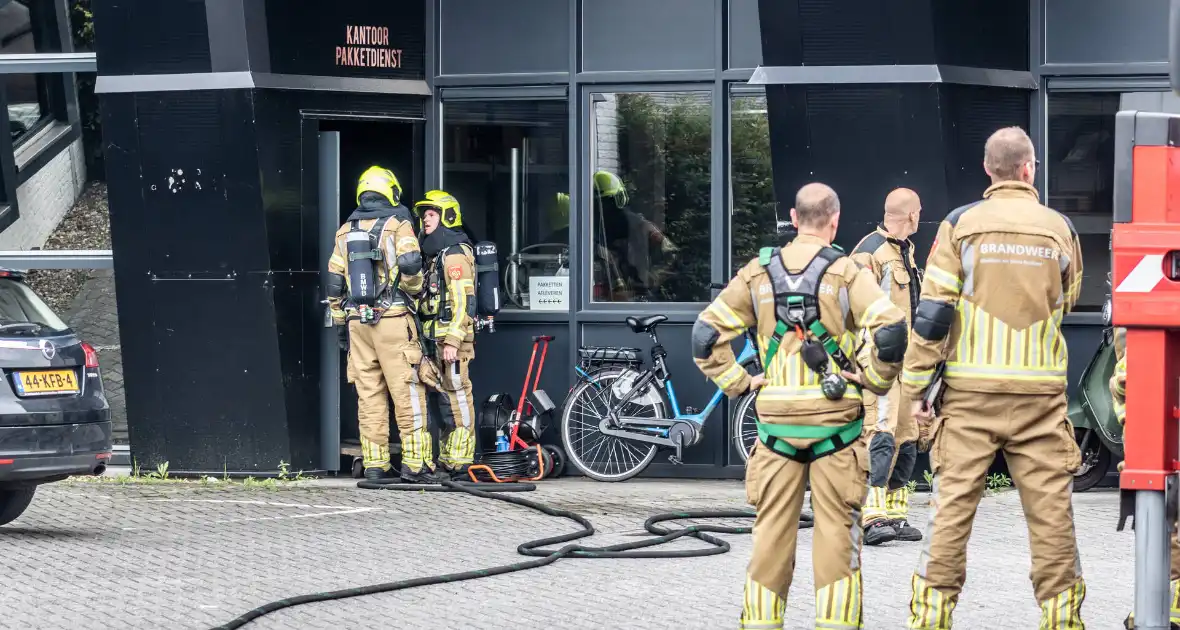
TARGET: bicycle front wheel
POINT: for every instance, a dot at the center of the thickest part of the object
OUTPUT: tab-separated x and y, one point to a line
600	456
744	421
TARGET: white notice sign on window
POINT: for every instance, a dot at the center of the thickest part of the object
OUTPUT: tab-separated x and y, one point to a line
549	293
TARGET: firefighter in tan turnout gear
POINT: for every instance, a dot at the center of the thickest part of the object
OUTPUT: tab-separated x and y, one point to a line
1001	275
375	269
807	302
1118	394
892	431
447	311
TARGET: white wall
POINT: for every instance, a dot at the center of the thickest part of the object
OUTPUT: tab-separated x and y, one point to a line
45	198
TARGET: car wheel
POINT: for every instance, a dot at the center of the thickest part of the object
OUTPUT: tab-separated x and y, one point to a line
13	503
1095	462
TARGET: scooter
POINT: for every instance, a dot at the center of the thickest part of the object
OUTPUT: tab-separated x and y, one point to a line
1091	411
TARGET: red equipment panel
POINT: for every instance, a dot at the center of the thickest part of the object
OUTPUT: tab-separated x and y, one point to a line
1145	296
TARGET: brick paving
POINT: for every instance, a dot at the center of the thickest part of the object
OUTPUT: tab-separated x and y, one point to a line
181	557
95	316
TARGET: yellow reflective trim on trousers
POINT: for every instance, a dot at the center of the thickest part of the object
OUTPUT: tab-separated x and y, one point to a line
956	369
944	279
917	378
1175	614
761	607
417	449
726	315
930	609
374	455
897	503
1064	611
730	376
838	605
874	507
789	394
459	448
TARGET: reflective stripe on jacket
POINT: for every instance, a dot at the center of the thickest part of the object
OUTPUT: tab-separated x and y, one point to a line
849	300
1001	276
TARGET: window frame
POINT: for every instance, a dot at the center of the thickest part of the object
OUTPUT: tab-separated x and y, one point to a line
60	123
1055	86
734	90
559	93
45	102
586	165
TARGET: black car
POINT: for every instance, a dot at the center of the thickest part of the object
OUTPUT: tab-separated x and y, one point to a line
54	418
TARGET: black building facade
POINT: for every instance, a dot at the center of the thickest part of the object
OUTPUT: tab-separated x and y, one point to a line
233	138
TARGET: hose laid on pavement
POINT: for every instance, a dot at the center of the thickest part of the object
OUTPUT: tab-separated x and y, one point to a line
532	548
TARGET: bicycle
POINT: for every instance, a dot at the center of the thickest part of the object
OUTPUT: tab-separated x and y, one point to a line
645	414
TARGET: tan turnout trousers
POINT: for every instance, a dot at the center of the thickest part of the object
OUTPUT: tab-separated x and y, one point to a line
775	486
888	497
1039	447
383	359
452	383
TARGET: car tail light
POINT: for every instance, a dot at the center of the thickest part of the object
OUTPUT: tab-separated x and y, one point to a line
91	355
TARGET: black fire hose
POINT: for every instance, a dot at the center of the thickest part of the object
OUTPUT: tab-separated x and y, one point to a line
532	548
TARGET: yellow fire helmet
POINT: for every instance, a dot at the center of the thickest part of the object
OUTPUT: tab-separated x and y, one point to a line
381	181
607	184
444	204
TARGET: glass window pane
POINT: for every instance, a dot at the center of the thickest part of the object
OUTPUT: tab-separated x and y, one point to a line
1080	171
507	162
28	103
28	26
650	205
754	222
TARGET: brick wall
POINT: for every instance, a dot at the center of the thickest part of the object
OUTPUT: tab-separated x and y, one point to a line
45	198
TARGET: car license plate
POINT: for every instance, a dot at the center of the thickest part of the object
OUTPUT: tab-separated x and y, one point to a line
46	382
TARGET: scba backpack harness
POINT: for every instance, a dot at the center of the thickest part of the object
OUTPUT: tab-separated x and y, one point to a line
796	308
487	277
364	254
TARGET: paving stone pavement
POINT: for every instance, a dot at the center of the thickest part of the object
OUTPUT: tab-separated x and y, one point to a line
95	316
191	557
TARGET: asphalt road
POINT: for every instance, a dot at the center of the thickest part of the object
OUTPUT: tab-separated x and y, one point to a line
175	556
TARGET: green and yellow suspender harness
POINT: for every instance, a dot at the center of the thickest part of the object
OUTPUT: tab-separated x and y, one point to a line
796	307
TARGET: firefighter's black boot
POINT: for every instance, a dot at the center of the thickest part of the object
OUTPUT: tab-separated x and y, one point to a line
879	532
376	474
422	476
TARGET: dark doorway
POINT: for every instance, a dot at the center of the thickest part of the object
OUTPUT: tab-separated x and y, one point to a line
393	145
398	146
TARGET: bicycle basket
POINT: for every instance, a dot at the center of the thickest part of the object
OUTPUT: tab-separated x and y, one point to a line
595	357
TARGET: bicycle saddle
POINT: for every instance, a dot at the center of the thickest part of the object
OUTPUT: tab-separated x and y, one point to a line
644	324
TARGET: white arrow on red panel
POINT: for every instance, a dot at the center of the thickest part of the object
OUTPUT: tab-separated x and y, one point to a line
1145	276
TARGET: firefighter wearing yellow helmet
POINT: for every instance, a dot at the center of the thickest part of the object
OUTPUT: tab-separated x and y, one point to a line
373	274
447	310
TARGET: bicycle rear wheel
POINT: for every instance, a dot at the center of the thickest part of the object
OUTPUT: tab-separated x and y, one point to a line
744	427
600	456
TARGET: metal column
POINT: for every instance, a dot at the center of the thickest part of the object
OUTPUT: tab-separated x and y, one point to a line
329	204
1153	554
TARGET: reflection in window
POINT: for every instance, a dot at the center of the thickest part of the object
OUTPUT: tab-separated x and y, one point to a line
28	104
1080	171
26	27
754	221
507	162
650	201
